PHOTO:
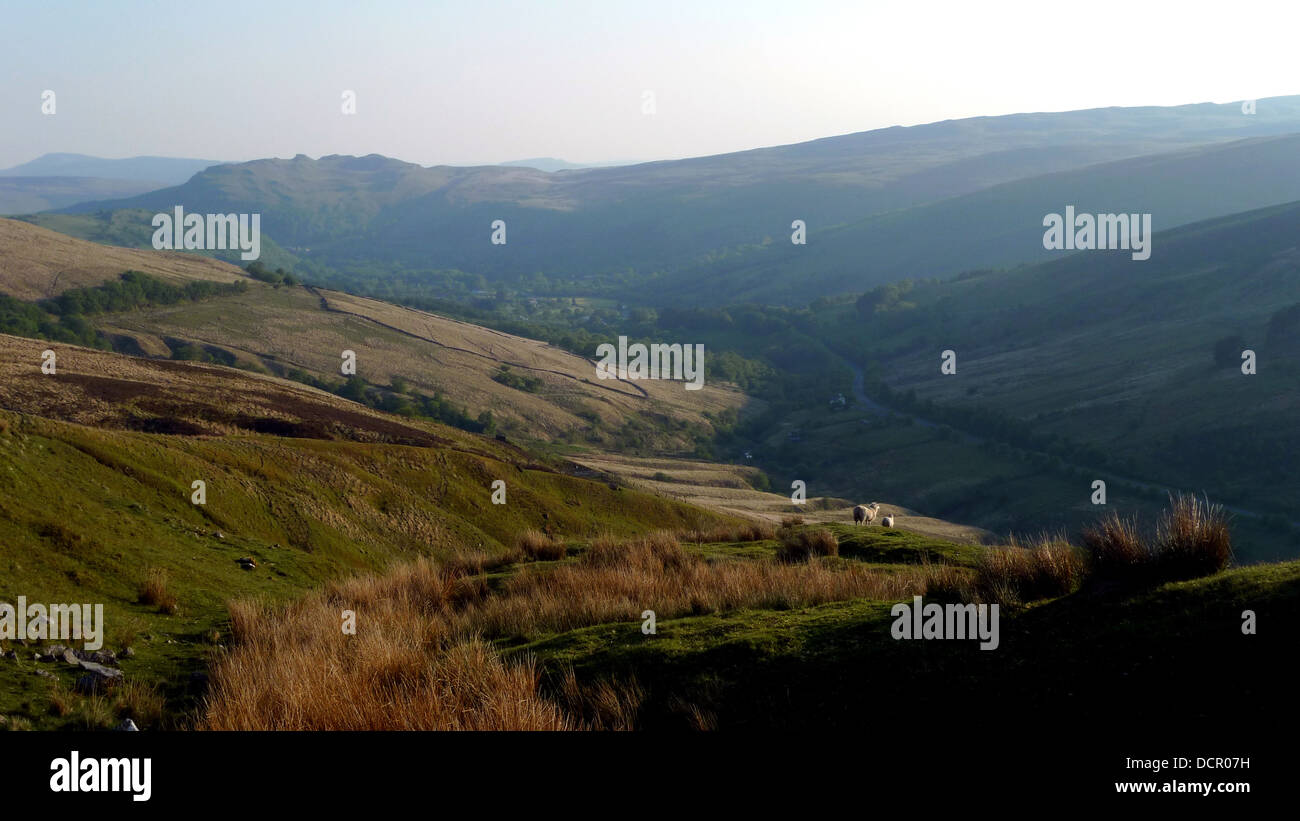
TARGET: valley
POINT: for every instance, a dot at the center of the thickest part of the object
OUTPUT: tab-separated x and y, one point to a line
386	422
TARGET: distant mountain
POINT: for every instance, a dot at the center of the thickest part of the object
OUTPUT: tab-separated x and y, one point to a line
552	164
696	215
157	171
1002	225
27	195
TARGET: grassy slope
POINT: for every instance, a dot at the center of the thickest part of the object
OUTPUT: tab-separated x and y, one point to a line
85	512
1117	353
295	327
36	263
1081	661
1002	225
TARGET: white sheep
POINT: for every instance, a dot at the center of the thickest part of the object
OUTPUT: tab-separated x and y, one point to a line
888	521
865	513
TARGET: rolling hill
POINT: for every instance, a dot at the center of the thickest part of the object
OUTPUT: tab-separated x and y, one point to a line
1137	363
309	486
36	263
1003	225
343	215
531	389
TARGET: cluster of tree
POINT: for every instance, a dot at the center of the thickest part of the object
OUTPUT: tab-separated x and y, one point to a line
527	384
63	318
134	290
278	277
25	319
885	298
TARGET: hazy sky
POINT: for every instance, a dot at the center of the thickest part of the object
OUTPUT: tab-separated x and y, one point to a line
481	81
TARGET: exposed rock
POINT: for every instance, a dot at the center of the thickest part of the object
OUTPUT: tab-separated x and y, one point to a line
69	656
247	563
127	726
128	653
97	678
99	657
45	673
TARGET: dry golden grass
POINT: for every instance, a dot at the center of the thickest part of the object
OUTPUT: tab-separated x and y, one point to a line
36	263
1190	539
748	532
617	581
1115	545
408	667
419	658
946	582
537	545
433	354
1014	575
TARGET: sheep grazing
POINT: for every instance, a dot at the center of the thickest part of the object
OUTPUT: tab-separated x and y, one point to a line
865	513
888	521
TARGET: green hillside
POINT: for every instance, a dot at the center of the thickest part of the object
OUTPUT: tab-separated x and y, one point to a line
88	514
1002	225
1085	660
1116	365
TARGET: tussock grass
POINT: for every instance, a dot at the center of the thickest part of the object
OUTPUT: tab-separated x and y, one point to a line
420	658
1018	574
537	545
748	532
154	591
1190	539
802	545
947	582
15	723
142	703
1116	546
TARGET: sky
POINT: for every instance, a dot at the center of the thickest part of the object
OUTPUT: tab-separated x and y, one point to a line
478	82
